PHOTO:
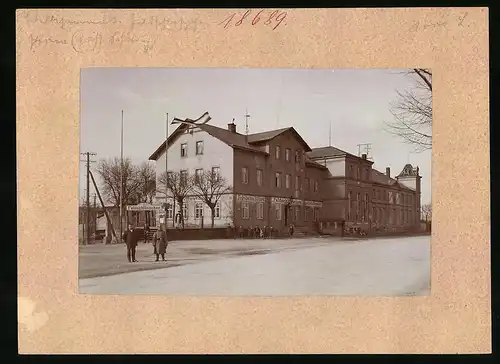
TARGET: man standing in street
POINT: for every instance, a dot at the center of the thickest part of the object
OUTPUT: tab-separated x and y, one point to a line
130	238
160	243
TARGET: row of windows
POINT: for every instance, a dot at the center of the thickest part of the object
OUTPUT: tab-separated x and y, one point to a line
198	211
259	211
391	197
288	154
278	178
357	173
198	172
198	149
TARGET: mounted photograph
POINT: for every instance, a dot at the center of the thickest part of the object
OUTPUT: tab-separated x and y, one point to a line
255	182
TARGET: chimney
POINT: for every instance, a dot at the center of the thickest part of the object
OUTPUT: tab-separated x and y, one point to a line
231	127
388	172
363	156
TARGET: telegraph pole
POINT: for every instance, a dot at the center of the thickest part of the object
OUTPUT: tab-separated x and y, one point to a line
87	224
166	179
247	115
367	148
121	182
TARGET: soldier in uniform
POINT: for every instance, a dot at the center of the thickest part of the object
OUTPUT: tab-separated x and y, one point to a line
160	243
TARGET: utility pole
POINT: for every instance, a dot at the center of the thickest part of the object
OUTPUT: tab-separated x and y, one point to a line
87	224
121	183
247	115
166	178
330	135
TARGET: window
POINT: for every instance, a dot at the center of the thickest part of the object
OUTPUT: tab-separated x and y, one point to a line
198	210
367	174
277	152
169	176
350	172
297	213
316	213
287	181
199	148
245	211
306	184
365	208
288	154
358	202
170	211
278	179
316	186
217	211
216	172
184	175
260	210
349	205
185	211
259	177
198	173
306	213
278	211
244	175
357	173
297	183
184	149
374	194
297	156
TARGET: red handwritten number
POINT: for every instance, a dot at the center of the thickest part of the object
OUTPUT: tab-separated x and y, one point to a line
280	19
227	20
247	13
256	19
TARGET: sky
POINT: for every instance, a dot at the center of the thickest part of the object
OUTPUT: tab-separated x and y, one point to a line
354	102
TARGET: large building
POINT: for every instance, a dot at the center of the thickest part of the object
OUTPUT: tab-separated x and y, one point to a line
277	180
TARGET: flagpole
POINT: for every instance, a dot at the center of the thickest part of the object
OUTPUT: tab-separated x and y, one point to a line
166	177
121	180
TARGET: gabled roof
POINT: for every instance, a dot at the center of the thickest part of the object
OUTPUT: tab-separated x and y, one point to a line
312	163
323	152
235	140
271	134
331	152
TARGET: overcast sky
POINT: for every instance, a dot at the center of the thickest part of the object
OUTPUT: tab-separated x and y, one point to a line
355	102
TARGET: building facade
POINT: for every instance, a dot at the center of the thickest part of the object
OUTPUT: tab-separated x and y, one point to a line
276	180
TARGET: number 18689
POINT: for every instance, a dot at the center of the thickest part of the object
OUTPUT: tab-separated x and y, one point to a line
274	19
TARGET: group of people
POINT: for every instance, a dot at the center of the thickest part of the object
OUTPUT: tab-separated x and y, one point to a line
131	239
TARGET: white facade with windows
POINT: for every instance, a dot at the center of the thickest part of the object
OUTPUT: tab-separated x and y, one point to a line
193	152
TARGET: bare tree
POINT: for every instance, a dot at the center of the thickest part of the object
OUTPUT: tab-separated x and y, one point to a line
210	186
109	173
179	185
427	212
412	112
146	174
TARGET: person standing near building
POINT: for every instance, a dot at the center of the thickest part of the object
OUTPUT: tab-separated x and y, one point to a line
160	244
130	238
146	233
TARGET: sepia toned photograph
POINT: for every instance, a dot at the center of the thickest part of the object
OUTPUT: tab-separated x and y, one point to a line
255	182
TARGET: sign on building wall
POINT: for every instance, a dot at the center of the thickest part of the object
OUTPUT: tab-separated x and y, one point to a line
285	200
313	204
144	207
250	198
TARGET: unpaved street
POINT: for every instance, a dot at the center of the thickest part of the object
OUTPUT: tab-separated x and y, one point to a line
313	266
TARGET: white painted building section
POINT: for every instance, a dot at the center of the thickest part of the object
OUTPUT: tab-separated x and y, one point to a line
215	154
336	166
410	182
